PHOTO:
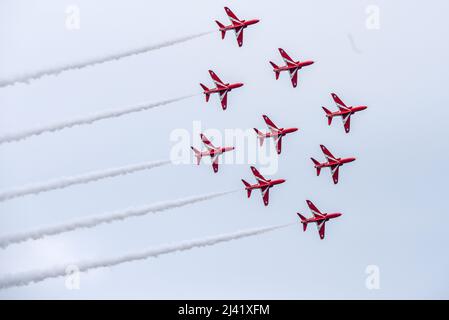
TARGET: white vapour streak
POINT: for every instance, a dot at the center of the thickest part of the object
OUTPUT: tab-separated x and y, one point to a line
89	119
93	221
26	78
73	180
26	278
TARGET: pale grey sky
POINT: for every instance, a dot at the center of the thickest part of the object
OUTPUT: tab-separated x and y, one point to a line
392	197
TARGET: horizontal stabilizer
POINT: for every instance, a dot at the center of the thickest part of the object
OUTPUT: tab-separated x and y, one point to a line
247	185
318	169
221	26
303	221
205	91
328	115
260	136
197	154
275	69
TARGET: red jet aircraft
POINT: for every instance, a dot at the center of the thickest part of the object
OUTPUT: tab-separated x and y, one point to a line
236	24
222	89
345	112
332	162
275	132
263	184
318	217
291	66
212	151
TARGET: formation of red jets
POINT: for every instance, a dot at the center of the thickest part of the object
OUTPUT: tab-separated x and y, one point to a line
264	184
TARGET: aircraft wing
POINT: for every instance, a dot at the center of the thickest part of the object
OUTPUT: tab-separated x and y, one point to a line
270	124
329	156
347	122
216	79
232	17
215	163
224	99
289	61
257	174
265	195
340	104
334	171
294	76
317	213
207	143
321	228
239	35
278	142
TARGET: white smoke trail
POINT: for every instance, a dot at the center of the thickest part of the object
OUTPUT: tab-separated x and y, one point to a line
26	278
93	221
26	78
89	119
83	178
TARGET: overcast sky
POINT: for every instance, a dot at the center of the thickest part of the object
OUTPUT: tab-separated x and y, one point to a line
392	197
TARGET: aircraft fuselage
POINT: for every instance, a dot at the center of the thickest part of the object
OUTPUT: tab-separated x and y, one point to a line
351	110
269	184
339	162
326	217
227	87
243	24
297	65
281	132
217	151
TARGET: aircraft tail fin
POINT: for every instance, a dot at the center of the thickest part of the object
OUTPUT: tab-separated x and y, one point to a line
275	69
205	90
247	185
318	169
221	26
303	221
260	136
198	155
328	115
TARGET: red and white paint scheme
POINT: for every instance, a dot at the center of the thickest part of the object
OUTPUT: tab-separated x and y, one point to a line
291	66
332	162
319	218
236	24
263	184
221	88
344	112
275	133
211	151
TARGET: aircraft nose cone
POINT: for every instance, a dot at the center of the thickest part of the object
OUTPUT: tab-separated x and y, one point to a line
351	159
294	129
282	180
338	215
364	107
